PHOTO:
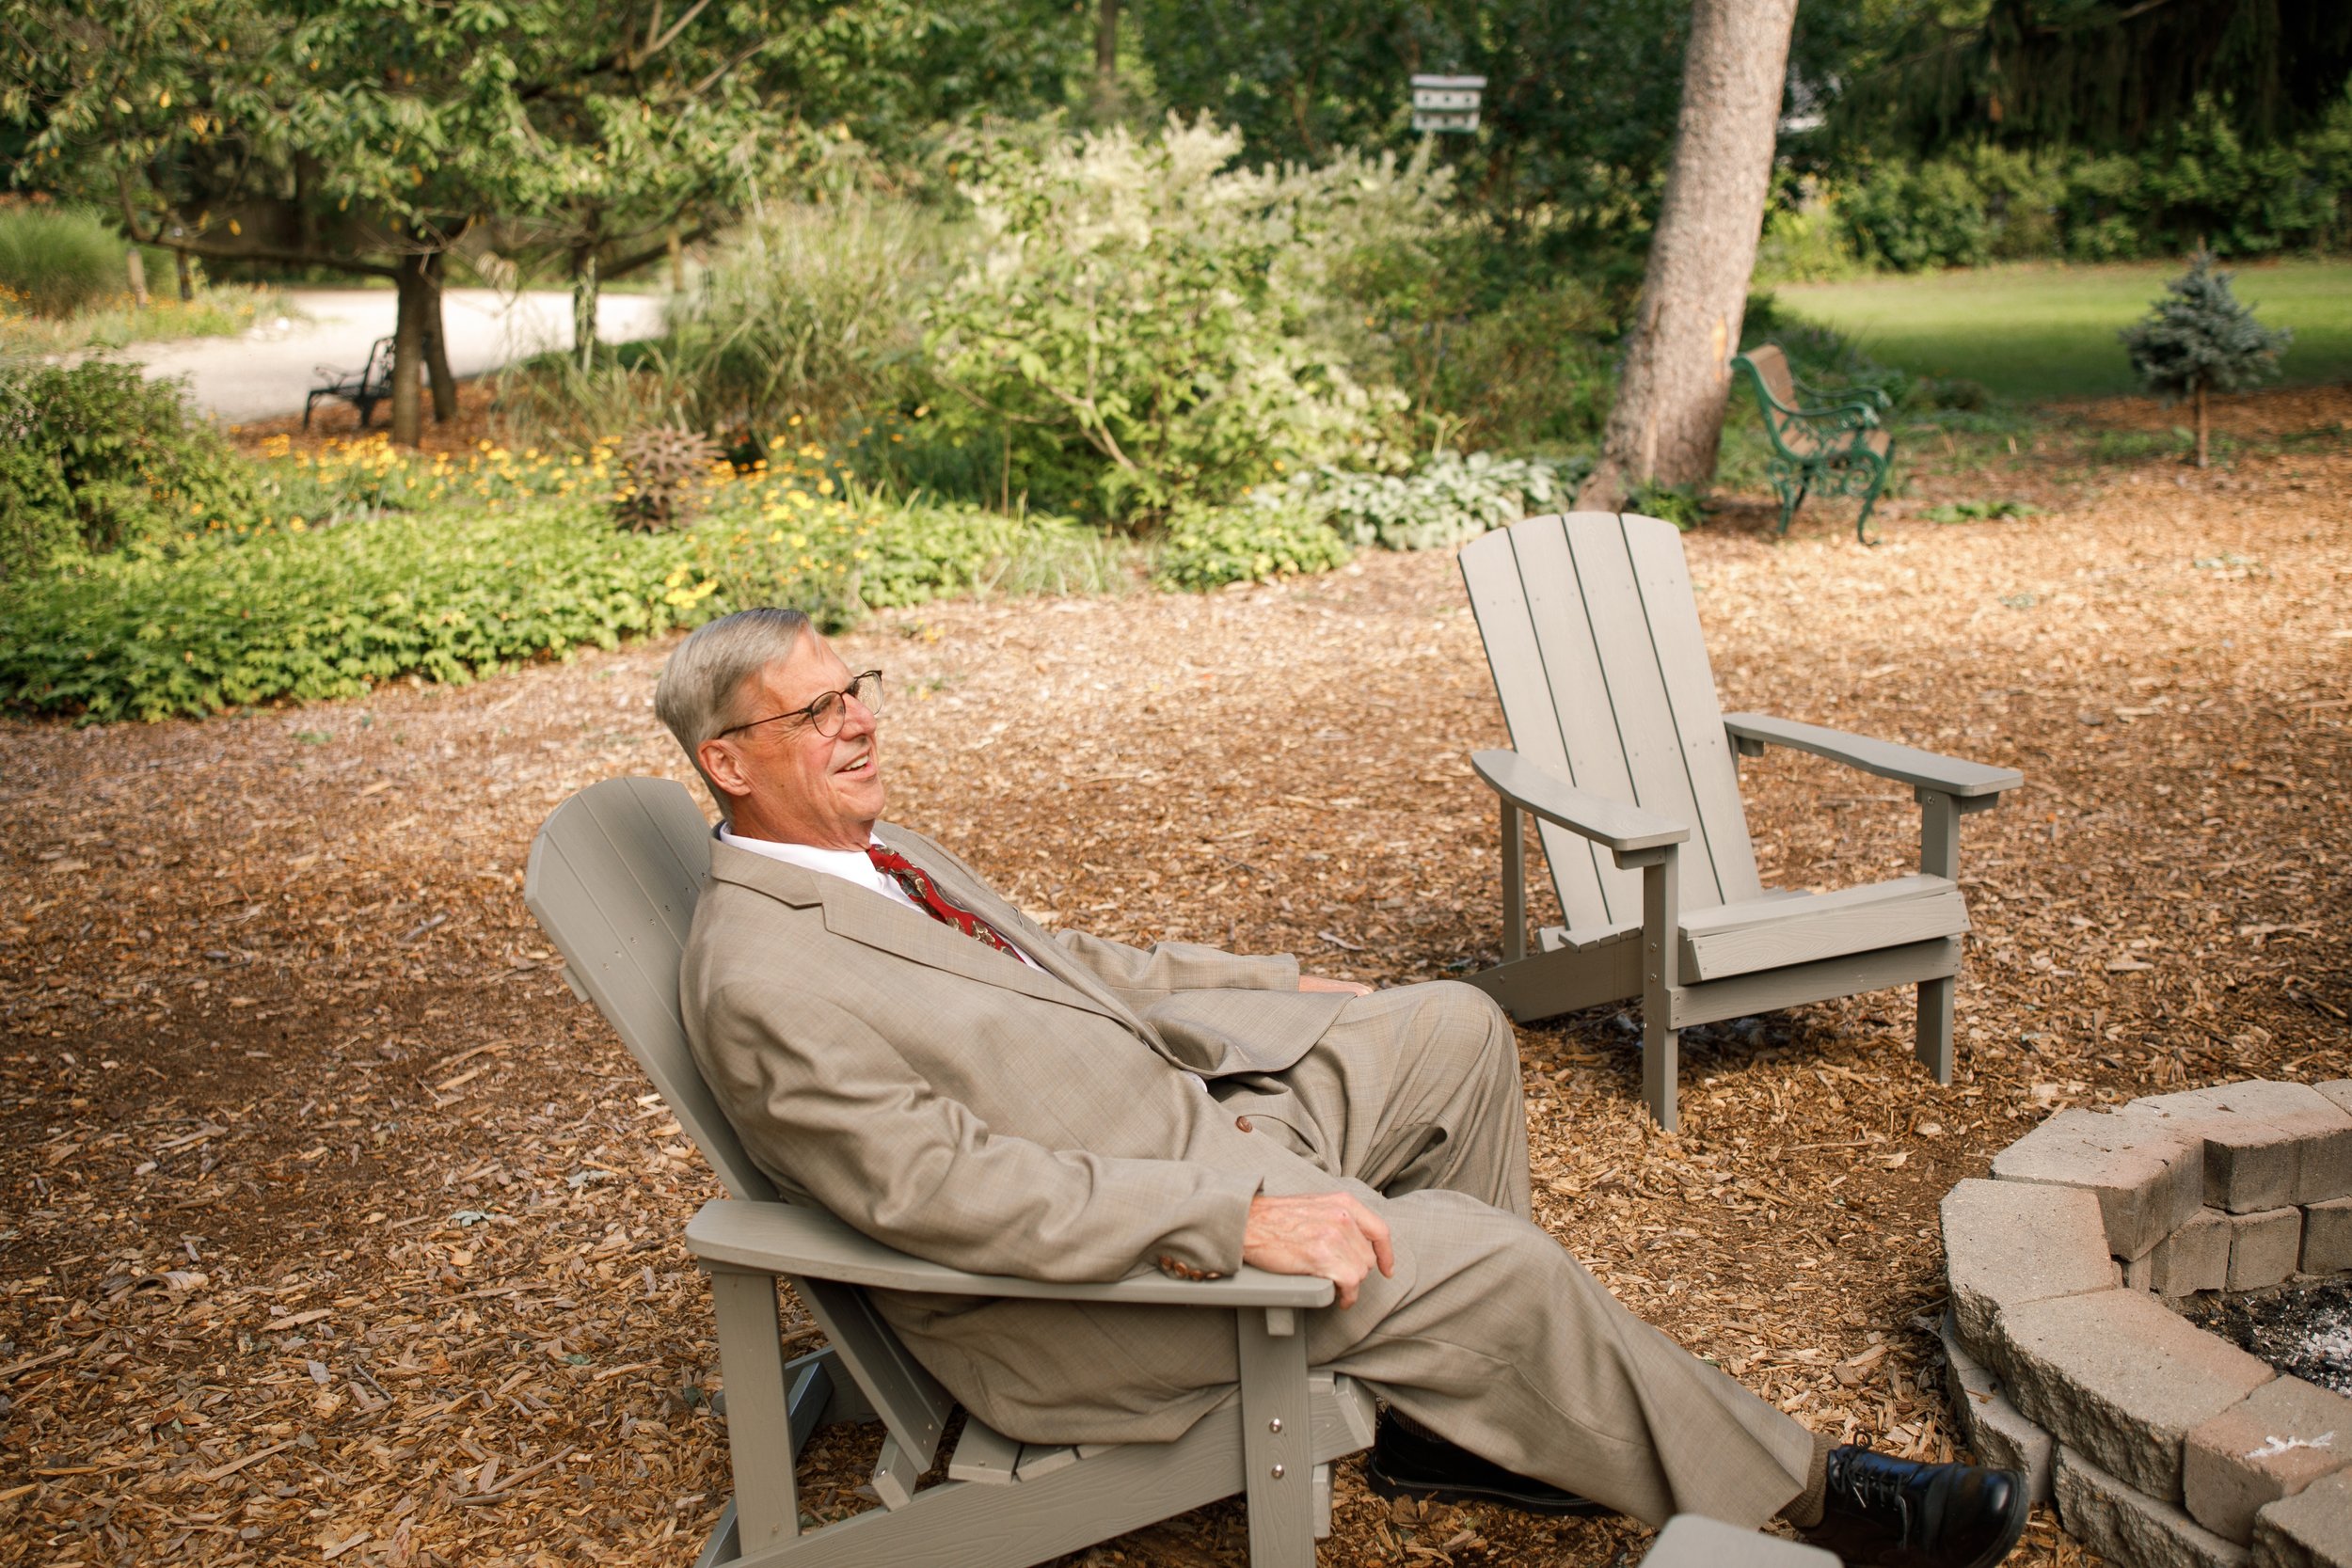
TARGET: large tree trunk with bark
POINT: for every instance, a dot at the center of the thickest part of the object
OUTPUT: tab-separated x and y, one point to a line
415	294
436	346
1668	418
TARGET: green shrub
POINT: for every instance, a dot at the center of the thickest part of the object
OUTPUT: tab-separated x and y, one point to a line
1678	504
1535	368
96	457
328	612
1449	499
55	261
839	559
1255	542
1924	215
1145	326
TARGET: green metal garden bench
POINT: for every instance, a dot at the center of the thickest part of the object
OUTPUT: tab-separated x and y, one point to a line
1835	447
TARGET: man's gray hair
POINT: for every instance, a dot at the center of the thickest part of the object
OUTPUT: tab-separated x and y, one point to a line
698	692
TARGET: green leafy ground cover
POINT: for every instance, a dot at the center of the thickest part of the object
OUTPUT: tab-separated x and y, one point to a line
2037	332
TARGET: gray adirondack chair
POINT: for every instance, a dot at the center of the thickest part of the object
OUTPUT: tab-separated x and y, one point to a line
613	876
1621	755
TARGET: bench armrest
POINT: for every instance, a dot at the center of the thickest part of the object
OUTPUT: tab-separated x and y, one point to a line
1620	827
1752	732
782	1238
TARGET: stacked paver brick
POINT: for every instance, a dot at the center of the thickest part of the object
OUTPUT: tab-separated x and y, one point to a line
2161	1445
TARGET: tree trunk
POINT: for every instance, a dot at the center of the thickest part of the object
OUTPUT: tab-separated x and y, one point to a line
678	264
436	346
1668	420
135	267
584	305
408	352
1106	103
187	277
2201	422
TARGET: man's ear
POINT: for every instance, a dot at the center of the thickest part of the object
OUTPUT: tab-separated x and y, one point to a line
723	767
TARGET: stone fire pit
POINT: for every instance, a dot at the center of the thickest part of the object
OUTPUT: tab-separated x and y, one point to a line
2162	1445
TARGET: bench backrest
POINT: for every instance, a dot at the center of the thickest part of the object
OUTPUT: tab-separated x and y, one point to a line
613	876
1593	635
1772	372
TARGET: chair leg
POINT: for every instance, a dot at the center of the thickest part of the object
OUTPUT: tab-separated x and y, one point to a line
1661	1053
1661	927
1278	1455
1933	1043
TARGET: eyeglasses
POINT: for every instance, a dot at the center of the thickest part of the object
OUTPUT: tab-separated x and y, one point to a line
827	711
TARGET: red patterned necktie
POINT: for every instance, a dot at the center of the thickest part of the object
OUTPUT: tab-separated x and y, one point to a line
926	893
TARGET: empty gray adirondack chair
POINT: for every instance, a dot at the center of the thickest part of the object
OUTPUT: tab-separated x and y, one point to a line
613	879
1621	754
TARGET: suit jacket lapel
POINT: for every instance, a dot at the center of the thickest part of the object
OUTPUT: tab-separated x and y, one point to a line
1034	940
859	915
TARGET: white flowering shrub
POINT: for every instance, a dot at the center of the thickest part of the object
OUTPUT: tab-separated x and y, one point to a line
1146	326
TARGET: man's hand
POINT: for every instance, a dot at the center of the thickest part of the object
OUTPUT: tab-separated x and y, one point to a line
1322	982
1330	1235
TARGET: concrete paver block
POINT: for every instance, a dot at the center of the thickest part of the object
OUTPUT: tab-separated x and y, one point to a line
2010	1242
2149	1178
2194	1258
2310	1529
2328	1236
1996	1429
2264	1247
2272	1444
2139	1274
2125	1526
2268	1142
2338	1092
2121	1378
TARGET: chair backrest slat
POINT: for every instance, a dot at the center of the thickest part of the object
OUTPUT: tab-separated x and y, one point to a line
613	876
1539	643
1593	638
1663	572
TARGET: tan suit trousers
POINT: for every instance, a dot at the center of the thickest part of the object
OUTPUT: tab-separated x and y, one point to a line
1489	1333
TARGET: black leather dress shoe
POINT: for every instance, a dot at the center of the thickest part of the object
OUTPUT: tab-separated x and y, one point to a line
1404	1463
1892	1512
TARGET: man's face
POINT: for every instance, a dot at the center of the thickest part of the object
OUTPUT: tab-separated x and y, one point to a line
801	787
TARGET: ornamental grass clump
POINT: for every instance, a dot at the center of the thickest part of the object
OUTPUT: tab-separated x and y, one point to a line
664	472
2201	337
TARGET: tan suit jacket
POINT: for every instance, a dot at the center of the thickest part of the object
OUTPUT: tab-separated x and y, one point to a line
962	1106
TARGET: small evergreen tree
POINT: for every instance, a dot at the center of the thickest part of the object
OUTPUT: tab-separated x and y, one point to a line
2201	337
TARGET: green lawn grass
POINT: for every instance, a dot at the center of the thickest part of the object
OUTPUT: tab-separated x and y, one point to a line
2040	331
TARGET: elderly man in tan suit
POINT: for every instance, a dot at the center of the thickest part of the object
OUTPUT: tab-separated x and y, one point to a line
899	1044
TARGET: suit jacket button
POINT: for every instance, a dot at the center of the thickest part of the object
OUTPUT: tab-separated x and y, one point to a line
1242	1122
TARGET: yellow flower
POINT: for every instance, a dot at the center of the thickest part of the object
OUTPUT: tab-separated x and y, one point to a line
824	487
776	538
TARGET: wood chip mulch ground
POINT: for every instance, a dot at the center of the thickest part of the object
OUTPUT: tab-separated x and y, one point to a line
335	1229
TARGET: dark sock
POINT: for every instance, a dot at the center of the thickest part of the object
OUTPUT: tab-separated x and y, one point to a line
1805	1509
1412	1426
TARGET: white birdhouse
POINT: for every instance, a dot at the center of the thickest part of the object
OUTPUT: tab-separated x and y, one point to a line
1447	104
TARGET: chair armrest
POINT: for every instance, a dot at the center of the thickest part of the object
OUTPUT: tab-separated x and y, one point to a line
782	1238
1752	732
1612	824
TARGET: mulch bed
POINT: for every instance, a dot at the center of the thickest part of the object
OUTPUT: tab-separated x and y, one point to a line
337	1229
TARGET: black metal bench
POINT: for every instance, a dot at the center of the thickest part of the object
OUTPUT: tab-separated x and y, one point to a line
364	390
